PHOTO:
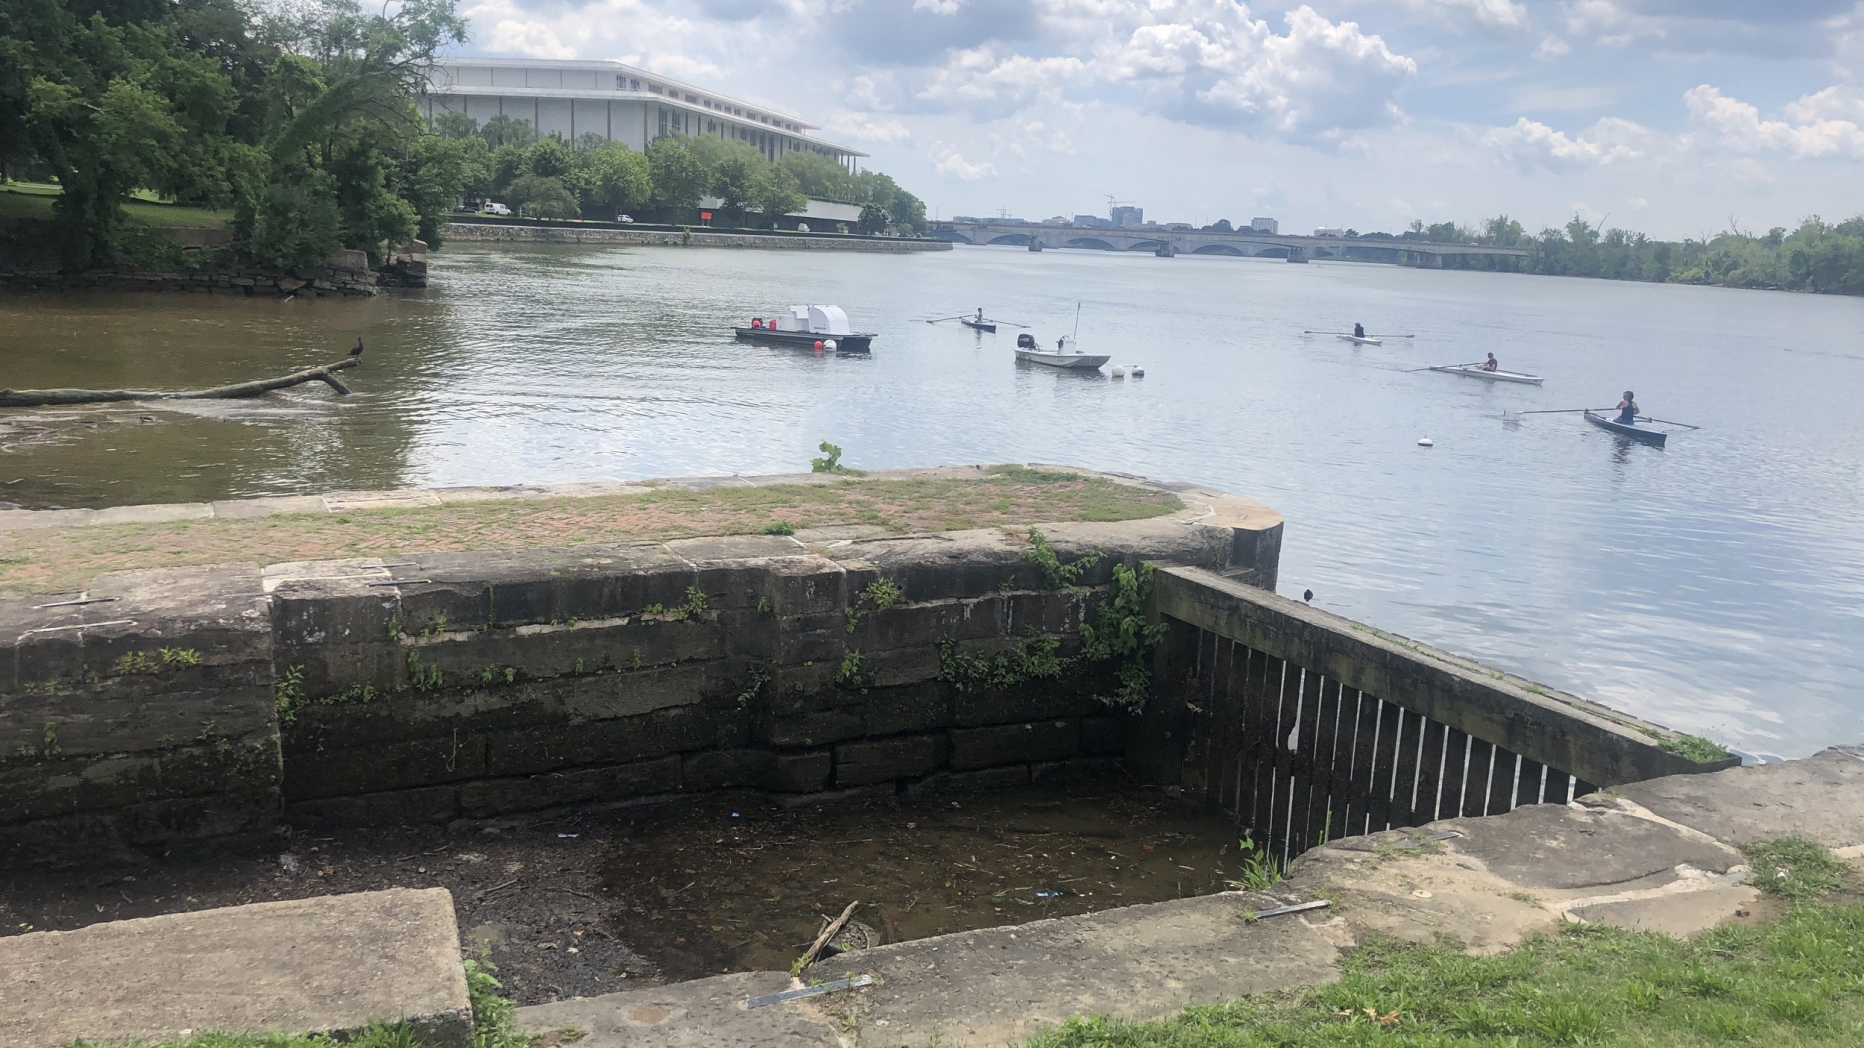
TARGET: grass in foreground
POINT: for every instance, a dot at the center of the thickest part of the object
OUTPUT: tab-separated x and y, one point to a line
1798	981
55	560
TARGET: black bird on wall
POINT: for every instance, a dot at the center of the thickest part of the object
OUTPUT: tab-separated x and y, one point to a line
1308	596
357	352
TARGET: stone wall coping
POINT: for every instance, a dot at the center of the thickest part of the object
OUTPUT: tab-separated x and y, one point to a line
1228	510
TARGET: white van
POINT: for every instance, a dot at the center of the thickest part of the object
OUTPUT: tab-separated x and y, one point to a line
493	207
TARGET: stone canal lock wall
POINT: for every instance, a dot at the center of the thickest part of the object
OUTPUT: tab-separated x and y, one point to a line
166	709
171	709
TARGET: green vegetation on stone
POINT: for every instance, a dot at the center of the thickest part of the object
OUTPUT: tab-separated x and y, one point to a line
1797	982
1795	868
1695	747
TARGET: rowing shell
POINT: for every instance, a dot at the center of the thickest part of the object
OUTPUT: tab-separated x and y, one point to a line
1655	438
1358	341
984	325
1492	376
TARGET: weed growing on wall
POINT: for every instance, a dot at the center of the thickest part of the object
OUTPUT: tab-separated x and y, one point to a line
779	527
163	659
849	675
1054	572
830	462
884	594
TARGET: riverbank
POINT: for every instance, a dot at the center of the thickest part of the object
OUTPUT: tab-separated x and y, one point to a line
488	233
49	551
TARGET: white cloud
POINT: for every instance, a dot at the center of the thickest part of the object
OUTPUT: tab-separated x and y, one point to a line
866	127
1552	47
1530	144
952	163
1816	129
1487	14
983	78
939	7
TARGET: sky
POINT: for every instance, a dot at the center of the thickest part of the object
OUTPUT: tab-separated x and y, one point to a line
1678	118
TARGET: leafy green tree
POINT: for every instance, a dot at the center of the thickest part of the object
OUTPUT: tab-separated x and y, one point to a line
873	220
733	167
679	177
503	130
774	193
541	196
456	126
1221	225
820	177
549	158
506	164
614	178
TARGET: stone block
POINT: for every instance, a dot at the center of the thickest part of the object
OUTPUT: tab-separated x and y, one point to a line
431	804
987	780
805	772
884	669
332	964
1038	700
1047	740
488	797
884	760
144	831
560	650
52	786
541	586
1104	736
387	766
569	745
910	708
814	728
1080	770
724	769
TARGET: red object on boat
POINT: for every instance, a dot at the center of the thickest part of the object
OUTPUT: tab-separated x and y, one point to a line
818	343
757	322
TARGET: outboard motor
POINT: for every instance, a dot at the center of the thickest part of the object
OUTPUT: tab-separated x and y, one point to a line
1025	341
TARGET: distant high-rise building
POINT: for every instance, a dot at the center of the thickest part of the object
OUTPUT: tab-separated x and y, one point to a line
1127	216
1091	220
1265	225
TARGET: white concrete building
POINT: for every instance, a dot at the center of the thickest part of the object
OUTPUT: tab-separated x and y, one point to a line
1265	225
618	102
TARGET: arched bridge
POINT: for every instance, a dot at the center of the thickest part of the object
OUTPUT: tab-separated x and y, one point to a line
1199	242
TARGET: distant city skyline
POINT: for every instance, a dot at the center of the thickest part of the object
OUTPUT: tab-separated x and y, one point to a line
1674	118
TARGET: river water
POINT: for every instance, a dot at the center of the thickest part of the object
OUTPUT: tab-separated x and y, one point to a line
1716	586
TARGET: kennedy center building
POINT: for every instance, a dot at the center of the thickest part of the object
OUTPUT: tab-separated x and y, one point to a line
618	102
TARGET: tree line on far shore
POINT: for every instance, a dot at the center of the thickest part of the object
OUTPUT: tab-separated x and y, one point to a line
1818	256
301	120
548	177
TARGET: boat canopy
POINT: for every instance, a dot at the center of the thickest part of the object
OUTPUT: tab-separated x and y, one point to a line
817	320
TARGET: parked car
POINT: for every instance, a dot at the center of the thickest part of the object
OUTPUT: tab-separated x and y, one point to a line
624	218
493	207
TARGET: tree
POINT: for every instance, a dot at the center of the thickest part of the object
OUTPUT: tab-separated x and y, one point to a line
873	220
502	130
1221	225
820	177
541	196
733	167
614	177
774	193
550	158
679	178
454	126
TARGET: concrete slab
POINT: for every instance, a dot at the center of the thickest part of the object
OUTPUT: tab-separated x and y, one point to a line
405	498
153	514
984	988
248	509
1558	846
704	1013
21	519
329	964
1820	798
1680	914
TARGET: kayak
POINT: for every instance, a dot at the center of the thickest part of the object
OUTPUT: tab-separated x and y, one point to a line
1655	438
1492	376
1358	341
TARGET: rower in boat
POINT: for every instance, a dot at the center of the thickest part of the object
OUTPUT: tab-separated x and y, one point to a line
1359	330
1490	364
1628	409
980	314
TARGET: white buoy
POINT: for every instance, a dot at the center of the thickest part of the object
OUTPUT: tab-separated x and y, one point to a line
829	345
1119	371
1138	372
1426	442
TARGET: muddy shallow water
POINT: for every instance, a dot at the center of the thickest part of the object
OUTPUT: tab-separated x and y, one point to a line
578	905
728	888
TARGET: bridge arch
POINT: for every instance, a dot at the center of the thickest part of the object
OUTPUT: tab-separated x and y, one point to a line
1219	249
1145	245
953	236
1016	239
1091	242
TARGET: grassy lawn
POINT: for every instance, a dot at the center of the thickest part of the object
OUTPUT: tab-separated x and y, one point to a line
34	200
54	560
1798	981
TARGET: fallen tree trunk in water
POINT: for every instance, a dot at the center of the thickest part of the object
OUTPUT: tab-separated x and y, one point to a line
34	398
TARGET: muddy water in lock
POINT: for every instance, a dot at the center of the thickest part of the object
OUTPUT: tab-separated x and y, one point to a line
719	887
1716	585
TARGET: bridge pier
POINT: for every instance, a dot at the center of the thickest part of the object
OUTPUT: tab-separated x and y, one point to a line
1297	253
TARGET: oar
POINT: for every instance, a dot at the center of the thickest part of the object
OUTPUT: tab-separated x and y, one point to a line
1667	422
1471	364
1329	333
1560	411
1011	323
1391	336
941	320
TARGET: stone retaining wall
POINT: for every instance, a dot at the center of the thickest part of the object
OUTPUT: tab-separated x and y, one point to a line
348	274
487	233
163	709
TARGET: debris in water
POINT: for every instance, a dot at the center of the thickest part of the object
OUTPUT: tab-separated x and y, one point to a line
808	991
